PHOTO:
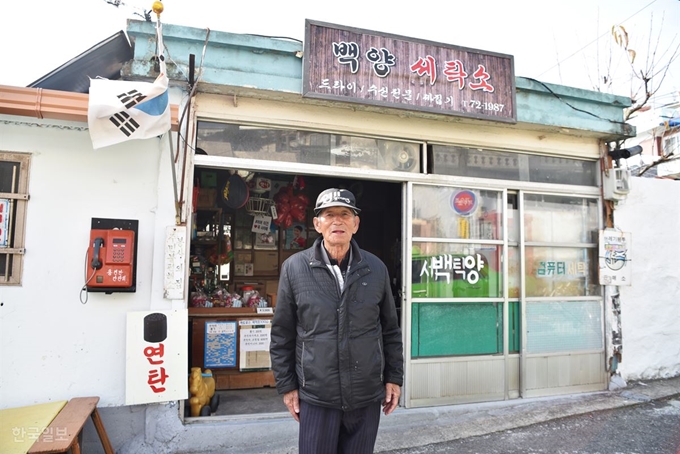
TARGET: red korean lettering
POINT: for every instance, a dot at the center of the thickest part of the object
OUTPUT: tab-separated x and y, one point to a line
455	72
157	377
482	76
152	352
425	66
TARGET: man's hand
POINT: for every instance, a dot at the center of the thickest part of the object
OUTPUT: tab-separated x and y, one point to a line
293	403
392	393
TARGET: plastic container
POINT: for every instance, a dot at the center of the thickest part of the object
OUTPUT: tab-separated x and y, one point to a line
247	291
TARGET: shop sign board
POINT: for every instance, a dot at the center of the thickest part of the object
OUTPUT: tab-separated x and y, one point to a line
156	356
614	257
367	67
174	262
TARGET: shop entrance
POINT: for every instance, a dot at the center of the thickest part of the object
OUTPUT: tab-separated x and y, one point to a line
502	300
234	269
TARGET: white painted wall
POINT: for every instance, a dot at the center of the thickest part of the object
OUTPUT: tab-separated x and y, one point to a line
650	307
52	346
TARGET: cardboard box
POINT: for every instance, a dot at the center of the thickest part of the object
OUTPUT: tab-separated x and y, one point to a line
272	286
266	262
206	197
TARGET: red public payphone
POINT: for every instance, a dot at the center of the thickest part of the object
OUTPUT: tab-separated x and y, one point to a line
110	258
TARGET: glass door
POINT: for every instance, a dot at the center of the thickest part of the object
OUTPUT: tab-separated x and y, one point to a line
462	327
562	306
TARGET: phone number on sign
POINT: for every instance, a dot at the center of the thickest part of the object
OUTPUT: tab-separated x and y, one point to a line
492	106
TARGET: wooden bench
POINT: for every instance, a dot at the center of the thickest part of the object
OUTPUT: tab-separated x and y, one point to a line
63	432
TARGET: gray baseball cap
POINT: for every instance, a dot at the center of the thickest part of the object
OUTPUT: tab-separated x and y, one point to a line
335	197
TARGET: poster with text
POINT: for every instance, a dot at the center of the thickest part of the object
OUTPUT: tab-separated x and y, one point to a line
614	258
220	344
156	356
254	337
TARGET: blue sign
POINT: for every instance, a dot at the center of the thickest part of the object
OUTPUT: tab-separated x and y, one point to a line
220	344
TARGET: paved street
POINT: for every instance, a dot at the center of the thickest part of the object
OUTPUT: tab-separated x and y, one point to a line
647	428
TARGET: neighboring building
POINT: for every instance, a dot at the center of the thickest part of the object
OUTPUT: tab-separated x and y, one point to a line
658	132
488	223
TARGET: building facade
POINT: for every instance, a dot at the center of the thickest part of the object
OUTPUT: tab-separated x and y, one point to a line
489	229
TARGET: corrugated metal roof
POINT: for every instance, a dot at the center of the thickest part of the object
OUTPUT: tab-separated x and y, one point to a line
104	59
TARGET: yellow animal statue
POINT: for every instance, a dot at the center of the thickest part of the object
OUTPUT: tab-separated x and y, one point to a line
201	388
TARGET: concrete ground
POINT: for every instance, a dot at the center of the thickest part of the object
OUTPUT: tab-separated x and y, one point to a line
275	432
419	427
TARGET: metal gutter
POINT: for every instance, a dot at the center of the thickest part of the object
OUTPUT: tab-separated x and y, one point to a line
53	104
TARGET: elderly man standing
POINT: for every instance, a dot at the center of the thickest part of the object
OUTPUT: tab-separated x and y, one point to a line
336	345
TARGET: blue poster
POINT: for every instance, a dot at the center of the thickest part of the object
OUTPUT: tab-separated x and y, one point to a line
220	344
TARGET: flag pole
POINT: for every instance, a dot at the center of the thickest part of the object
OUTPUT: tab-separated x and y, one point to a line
157	8
178	214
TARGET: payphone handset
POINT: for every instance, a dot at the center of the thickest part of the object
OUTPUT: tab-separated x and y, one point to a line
110	258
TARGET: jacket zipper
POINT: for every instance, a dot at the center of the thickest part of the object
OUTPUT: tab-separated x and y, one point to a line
302	365
382	360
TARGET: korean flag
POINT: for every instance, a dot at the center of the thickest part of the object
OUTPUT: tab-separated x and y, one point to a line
123	110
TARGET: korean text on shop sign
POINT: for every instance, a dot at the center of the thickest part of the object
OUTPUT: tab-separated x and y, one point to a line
156	376
447	265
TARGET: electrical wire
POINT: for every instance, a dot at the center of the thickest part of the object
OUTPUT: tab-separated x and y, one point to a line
84	289
279	37
186	112
575	108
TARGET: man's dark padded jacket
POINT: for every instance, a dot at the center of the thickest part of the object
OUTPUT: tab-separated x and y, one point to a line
337	350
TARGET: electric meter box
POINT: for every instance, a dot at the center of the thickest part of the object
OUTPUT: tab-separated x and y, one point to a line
616	184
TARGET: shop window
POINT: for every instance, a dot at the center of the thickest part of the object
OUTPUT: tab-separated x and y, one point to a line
459	266
448	329
457	213
553	271
481	163
305	147
561	234
560	219
14	170
448	270
564	326
561	258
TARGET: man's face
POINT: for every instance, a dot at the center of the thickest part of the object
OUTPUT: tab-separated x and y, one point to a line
336	225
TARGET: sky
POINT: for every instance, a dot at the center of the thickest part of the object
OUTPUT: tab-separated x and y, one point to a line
566	43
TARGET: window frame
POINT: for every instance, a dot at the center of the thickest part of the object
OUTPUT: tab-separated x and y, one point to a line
18	197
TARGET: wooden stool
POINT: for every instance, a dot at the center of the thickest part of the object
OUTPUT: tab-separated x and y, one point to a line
62	433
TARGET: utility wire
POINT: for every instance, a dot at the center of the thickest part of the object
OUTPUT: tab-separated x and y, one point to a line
571	106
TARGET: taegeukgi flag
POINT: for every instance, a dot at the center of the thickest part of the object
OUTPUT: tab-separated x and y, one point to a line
123	110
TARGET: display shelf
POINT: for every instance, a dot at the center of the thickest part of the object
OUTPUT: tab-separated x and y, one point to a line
200	242
243	380
225	311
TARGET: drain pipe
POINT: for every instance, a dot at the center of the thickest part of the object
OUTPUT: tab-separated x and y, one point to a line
53	104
